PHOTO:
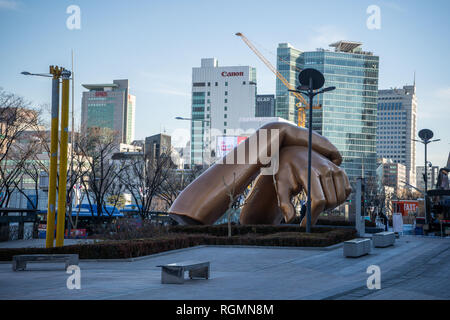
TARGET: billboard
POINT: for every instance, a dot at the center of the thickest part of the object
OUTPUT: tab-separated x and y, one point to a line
225	144
405	207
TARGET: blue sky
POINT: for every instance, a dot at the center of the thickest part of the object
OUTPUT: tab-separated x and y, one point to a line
155	44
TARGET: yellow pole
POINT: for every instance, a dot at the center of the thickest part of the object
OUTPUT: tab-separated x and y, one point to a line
63	159
51	208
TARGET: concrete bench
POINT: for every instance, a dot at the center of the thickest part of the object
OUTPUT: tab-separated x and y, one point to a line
20	262
174	272
357	247
383	239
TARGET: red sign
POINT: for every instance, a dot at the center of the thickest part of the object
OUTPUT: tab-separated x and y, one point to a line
101	94
240	139
232	74
76	233
405	207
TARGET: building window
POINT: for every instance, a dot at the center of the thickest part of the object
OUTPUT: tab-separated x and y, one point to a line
226	93
243	82
225	123
217	84
226	84
209	93
208	101
209	84
224	131
199	84
225	108
226	100
225	115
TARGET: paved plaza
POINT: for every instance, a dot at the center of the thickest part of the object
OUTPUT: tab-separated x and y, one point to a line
415	268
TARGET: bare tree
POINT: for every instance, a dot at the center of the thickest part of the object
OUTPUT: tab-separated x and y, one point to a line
97	148
175	182
144	177
16	118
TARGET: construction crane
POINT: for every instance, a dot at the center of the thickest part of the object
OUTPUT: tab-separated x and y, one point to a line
302	104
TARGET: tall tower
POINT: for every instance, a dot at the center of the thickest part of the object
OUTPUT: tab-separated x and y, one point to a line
397	127
288	65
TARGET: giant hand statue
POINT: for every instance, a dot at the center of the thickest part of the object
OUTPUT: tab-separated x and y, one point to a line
208	197
270	199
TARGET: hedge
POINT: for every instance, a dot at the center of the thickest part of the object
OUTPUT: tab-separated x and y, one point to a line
287	237
222	229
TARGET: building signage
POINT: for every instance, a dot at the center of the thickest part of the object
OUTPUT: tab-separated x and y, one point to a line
227	143
101	94
232	74
405	207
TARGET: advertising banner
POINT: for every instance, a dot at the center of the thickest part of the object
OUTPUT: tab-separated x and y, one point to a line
227	143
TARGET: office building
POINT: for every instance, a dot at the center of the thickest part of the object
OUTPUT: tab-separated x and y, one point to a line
288	65
432	175
348	114
220	96
396	129
391	174
265	105
110	106
157	145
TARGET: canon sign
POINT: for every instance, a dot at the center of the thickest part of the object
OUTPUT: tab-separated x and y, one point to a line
232	74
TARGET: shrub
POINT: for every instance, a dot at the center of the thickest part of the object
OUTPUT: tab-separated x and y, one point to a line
289	236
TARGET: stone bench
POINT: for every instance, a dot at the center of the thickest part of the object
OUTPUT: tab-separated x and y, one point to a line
357	247
174	272
383	239
20	262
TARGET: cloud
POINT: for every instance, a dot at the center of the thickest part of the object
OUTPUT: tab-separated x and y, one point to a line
324	36
443	93
173	92
392	5
8	5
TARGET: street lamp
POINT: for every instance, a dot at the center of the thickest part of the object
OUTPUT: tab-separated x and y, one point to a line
311	80
426	135
55	74
26	73
203	121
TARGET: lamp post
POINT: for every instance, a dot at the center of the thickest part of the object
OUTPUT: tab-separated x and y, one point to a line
426	135
311	80
55	74
203	121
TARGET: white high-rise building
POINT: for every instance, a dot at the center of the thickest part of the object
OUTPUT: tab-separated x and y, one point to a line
396	128
220	96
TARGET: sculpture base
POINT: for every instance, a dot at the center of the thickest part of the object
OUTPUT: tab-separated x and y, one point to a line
184	220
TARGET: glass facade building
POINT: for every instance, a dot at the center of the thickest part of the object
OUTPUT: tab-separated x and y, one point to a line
287	66
348	117
265	105
109	106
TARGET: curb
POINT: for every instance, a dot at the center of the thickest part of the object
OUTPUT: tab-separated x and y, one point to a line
329	248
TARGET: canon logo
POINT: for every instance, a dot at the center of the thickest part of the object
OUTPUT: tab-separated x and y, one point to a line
232	74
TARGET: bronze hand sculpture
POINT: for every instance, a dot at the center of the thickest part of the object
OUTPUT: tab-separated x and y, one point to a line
207	198
270	199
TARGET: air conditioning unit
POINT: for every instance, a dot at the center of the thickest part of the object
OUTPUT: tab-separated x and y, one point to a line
43	180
